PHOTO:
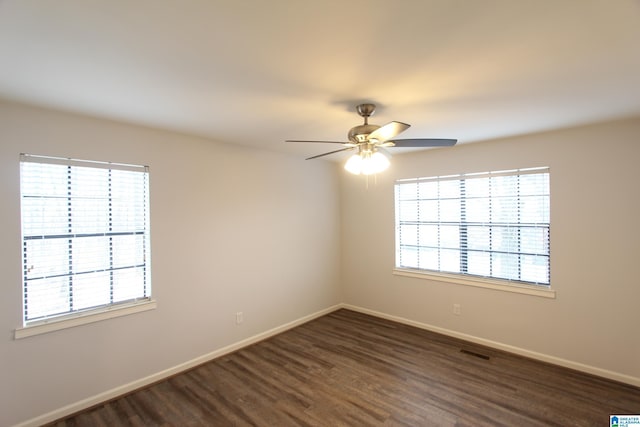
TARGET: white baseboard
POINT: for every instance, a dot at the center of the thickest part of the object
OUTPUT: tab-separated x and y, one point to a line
616	376
134	385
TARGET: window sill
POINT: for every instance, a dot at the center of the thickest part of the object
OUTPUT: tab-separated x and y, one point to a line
77	319
498	285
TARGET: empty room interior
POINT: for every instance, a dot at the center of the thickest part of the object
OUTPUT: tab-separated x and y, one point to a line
319	213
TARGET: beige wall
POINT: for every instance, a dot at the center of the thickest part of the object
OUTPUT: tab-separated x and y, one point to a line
595	207
238	229
232	229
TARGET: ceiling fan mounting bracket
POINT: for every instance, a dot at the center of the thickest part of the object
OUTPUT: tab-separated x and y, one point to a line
366	110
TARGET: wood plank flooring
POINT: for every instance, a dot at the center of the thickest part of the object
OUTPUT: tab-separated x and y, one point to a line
350	369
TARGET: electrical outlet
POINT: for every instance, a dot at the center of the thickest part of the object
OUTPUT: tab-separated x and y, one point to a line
239	318
457	309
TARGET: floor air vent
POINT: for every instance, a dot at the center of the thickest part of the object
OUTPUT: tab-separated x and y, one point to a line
473	353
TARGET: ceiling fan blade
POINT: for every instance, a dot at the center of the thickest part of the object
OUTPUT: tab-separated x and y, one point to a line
324	142
421	142
330	152
388	131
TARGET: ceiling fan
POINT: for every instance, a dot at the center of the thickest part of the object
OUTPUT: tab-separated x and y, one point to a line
371	140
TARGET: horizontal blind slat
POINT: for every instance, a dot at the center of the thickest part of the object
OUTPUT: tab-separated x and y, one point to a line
32	158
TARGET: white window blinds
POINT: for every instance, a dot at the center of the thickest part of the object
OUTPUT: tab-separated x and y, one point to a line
85	235
493	225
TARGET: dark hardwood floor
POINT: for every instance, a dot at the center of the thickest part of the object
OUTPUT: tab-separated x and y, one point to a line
350	369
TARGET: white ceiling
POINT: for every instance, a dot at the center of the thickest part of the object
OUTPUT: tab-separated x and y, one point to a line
257	72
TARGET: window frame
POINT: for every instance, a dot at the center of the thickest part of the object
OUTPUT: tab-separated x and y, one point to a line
141	299
460	277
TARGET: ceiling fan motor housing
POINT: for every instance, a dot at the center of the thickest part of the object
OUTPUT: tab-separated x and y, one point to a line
359	134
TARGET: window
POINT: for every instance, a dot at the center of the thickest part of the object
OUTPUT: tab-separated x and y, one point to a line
489	225
85	236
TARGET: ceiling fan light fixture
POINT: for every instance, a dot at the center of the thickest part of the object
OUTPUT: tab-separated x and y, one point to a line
354	164
367	163
375	163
